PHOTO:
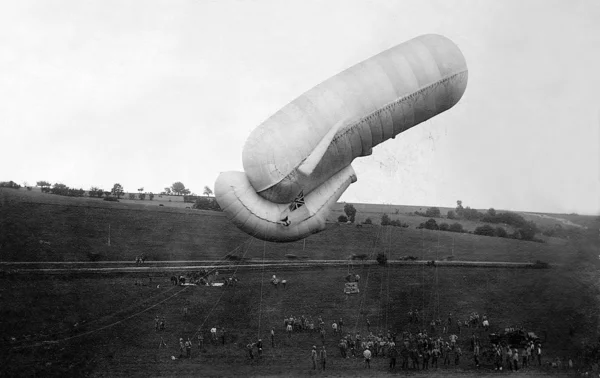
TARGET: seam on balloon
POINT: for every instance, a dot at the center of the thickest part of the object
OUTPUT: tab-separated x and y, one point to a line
398	102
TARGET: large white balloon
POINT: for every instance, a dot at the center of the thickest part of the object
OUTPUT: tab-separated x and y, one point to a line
297	163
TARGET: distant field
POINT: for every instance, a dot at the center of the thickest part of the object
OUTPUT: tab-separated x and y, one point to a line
44	227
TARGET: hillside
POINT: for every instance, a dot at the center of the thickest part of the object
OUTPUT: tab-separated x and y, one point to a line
44	227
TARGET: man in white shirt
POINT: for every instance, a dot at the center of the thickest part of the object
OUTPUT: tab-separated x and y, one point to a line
213	334
367	355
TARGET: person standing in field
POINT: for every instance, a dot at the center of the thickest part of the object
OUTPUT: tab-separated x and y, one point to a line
538	353
249	348
200	340
181	347
188	348
313	357
457	354
323	357
367	356
272	338
259	346
476	354
516	359
393	354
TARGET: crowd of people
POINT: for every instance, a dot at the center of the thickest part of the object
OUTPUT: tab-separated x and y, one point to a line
423	344
204	278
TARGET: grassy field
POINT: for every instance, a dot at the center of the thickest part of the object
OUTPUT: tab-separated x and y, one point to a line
35	309
102	325
44	227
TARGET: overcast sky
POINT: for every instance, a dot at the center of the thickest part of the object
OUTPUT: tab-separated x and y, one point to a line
146	93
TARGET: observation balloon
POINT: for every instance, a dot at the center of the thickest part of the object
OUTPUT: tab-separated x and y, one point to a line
297	163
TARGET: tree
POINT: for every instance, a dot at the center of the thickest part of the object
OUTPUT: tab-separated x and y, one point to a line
491	212
368	221
207	191
431	224
117	190
433	212
43	184
456	227
485	230
167	191
150	196
444	226
178	188
501	232
342	219
140	189
60	189
385	220
131	196
528	231
92	192
451	214
142	196
350	211
203	203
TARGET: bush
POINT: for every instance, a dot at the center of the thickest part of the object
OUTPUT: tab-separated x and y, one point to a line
501	232
456	227
360	256
111	199
342	219
444	226
291	256
433	212
431	224
451	214
528	231
9	184
385	220
131	196
232	257
485	230
350	212
382	259
206	203
368	221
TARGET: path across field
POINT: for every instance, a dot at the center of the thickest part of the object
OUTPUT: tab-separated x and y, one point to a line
183	266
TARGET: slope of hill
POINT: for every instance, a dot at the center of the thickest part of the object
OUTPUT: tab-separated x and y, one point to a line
44	227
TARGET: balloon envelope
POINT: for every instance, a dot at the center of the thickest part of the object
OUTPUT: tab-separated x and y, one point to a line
304	150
